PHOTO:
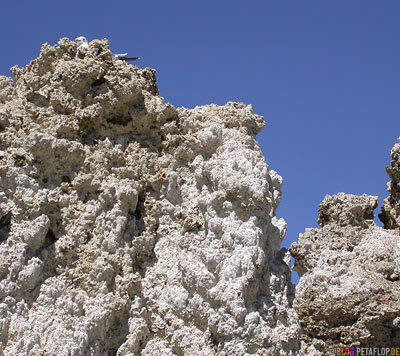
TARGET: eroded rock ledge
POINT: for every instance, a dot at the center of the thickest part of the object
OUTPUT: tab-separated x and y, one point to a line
129	227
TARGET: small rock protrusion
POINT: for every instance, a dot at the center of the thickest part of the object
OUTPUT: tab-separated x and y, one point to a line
346	209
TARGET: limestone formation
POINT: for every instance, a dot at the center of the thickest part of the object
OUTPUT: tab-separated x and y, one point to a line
349	290
390	214
129	227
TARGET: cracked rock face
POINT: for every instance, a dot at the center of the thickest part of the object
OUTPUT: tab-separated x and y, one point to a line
349	290
129	227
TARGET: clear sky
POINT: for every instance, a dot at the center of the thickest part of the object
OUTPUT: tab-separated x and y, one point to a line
324	74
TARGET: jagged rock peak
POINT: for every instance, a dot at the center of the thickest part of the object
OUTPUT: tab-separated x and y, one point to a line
129	227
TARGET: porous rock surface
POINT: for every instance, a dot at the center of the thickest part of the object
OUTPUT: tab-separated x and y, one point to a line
129	227
390	213
349	290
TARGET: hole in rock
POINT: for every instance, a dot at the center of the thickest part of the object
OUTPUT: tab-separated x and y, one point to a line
135	224
119	120
89	236
89	139
66	179
98	82
138	214
5	224
50	239
99	86
19	160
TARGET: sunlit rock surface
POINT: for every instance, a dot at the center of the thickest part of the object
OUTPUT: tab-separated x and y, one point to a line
349	290
129	227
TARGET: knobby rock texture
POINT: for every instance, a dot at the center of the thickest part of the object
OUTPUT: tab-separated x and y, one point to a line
390	214
129	227
349	290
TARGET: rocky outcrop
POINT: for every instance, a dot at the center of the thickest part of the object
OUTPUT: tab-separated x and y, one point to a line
129	227
349	290
390	213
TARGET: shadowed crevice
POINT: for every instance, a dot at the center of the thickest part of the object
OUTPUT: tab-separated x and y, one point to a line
48	244
5	225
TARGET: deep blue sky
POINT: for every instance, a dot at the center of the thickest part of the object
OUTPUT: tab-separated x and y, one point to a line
324	74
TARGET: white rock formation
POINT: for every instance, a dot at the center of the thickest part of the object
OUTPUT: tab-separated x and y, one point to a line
129	227
349	290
